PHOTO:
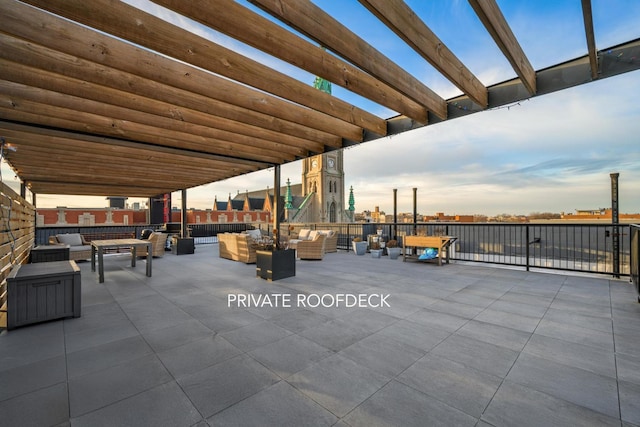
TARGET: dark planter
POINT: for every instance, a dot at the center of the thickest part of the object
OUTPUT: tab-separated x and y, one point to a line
183	246
275	265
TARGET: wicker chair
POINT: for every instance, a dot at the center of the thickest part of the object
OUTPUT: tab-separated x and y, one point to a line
237	247
158	243
331	240
311	249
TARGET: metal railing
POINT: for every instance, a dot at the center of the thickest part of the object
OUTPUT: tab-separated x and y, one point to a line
572	247
634	262
203	233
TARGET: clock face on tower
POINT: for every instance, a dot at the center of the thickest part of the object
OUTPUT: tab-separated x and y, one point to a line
331	163
314	164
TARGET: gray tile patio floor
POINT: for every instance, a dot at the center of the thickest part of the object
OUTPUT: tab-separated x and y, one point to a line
460	345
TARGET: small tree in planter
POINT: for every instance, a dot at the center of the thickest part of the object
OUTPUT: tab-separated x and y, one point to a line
392	249
359	246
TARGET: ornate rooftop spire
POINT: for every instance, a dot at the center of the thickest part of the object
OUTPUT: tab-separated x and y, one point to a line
287	196
352	201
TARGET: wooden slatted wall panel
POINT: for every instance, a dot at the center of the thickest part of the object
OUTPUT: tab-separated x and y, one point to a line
17	234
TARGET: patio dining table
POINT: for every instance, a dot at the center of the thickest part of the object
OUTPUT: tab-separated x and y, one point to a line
99	246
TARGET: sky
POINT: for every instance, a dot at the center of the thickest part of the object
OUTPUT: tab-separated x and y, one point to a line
552	153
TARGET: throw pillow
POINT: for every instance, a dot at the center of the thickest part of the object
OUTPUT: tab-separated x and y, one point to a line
71	239
304	234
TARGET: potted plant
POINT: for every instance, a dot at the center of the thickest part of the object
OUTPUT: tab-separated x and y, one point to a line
375	250
359	246
393	250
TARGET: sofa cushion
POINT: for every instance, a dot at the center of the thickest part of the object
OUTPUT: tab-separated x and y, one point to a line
78	248
71	239
313	234
304	234
254	234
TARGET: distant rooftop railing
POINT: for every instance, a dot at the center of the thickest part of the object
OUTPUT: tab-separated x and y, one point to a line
634	240
581	247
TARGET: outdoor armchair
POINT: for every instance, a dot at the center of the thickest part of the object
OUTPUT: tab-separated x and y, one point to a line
311	249
158	244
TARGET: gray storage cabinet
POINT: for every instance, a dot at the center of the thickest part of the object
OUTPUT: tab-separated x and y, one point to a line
50	253
43	291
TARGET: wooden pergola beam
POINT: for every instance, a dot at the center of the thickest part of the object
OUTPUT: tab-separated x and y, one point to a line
47	80
399	17
139	27
88	156
63	118
150	96
495	23
591	39
36	135
19	92
235	20
47	187
70	49
89	153
312	21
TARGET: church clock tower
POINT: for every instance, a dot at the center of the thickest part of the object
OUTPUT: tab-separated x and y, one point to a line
323	184
323	180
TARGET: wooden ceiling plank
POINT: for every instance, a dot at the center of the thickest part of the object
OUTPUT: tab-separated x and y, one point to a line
90	152
144	29
48	158
587	16
46	115
36	166
35	135
89	177
179	86
104	177
495	23
235	20
118	161
111	112
44	79
145	89
97	189
399	17
110	161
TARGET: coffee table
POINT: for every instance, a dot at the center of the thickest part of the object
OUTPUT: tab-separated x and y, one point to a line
98	246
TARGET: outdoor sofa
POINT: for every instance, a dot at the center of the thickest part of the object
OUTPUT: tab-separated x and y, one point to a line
79	248
330	243
239	246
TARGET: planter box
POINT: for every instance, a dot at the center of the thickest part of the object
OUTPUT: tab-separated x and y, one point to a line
43	291
182	246
276	265
376	253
